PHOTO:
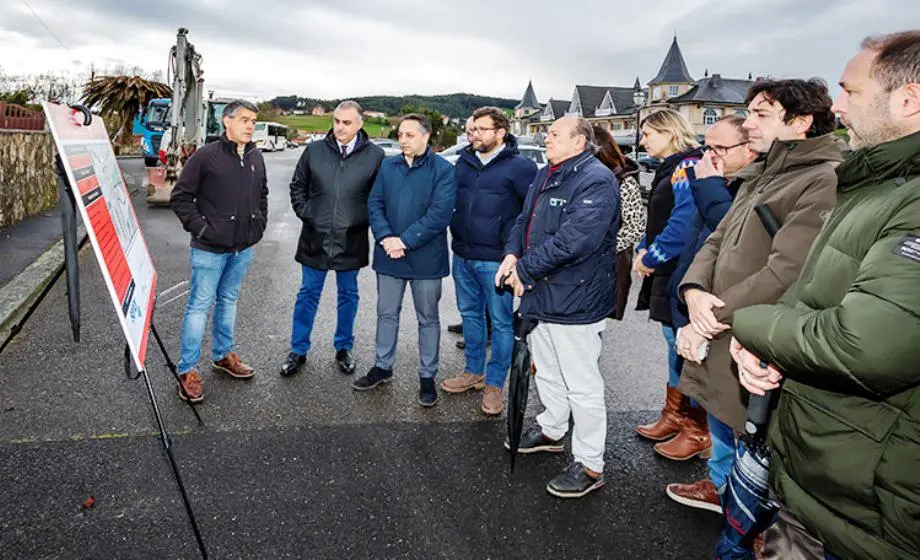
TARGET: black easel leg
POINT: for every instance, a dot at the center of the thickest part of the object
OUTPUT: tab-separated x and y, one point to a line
167	446
172	368
15	329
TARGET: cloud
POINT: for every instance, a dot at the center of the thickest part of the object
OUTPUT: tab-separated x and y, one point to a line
353	47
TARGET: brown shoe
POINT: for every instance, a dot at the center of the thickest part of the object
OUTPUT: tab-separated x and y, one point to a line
700	494
492	401
671	418
463	382
191	382
692	440
232	364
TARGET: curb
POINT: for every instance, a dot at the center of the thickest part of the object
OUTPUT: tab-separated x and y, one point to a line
22	289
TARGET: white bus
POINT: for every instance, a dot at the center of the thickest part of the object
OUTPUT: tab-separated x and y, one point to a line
270	136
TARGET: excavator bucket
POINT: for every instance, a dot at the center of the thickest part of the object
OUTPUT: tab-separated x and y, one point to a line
158	190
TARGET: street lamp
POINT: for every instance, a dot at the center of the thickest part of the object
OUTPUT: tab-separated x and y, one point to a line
638	99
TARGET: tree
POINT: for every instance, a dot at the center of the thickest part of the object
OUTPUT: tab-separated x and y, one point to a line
267	112
119	98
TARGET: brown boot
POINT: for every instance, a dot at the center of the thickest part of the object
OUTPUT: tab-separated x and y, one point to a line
232	364
671	418
692	440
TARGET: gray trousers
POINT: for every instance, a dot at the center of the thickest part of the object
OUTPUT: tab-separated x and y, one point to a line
425	296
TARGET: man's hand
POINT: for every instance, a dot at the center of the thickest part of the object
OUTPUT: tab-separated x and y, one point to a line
640	269
505	270
755	375
700	304
710	165
688	344
394	247
514	282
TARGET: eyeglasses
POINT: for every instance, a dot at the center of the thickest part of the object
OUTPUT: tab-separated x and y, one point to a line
722	150
477	130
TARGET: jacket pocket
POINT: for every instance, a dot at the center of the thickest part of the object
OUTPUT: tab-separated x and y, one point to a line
220	231
256	227
836	453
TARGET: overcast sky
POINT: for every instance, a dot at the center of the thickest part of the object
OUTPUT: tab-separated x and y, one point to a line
264	48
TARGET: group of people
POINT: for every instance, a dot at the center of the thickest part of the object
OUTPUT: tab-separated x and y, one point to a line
821	309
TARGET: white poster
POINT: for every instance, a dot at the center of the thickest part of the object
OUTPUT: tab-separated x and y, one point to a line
103	200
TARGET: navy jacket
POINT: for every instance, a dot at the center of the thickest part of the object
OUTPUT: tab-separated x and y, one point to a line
489	200
566	241
713	197
416	204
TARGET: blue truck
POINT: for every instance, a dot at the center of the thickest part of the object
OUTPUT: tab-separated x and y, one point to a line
149	124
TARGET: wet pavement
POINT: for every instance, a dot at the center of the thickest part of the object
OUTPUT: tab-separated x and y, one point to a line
305	467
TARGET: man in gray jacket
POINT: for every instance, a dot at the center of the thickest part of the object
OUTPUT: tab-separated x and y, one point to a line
329	194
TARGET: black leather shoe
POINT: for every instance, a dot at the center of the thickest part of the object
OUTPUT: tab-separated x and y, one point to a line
292	364
346	361
456	329
574	482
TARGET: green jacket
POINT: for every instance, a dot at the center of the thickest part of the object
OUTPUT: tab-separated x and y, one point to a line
846	431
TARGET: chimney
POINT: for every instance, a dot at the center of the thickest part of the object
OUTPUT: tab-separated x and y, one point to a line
716	80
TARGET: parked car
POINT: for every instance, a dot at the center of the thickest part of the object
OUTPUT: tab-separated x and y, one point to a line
390	147
646	162
536	154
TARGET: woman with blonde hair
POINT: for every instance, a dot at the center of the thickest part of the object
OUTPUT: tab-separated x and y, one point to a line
667	135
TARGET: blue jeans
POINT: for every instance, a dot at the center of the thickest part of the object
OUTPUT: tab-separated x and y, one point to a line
215	276
311	288
425	295
475	284
675	361
723	451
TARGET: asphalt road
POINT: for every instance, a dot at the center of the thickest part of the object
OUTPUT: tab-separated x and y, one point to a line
305	467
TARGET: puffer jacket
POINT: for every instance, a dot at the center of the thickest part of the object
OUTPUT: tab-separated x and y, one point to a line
846	432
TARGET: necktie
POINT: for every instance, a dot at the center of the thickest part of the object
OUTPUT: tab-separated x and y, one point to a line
344	151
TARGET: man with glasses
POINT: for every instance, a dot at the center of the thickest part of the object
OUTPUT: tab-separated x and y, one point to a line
790	124
492	182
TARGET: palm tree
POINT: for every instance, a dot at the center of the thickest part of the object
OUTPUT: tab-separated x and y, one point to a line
119	98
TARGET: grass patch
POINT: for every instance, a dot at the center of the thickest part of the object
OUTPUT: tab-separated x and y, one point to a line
322	123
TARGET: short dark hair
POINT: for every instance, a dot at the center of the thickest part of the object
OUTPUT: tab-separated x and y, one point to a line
499	118
237	104
422	121
799	98
736	121
897	60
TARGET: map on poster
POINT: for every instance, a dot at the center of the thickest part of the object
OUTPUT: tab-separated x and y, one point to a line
105	206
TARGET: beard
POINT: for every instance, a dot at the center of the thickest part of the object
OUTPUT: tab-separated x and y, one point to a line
484	147
874	127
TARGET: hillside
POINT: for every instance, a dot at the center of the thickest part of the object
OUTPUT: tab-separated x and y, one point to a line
453	105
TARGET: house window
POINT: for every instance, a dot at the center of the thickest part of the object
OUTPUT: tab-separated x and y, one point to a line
656	95
710	117
672	91
617	126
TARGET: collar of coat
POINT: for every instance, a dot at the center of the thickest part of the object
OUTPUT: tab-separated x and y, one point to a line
897	158
228	143
417	161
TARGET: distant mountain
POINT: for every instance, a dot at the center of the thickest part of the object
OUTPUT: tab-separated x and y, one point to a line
453	105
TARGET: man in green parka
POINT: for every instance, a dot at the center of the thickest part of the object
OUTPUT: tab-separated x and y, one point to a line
846	343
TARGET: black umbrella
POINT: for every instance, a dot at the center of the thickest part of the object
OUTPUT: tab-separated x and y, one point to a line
746	505
519	381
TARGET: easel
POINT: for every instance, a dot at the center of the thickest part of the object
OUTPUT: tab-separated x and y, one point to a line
66	193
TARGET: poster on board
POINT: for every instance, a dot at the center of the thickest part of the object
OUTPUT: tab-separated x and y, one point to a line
104	203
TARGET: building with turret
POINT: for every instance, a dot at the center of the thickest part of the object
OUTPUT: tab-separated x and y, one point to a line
701	102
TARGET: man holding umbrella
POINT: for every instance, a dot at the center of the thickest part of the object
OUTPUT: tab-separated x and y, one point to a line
846	433
560	260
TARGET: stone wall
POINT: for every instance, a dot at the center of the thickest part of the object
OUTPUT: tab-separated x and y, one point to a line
28	184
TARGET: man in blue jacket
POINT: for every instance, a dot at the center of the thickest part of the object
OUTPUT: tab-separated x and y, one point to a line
492	182
410	207
560	259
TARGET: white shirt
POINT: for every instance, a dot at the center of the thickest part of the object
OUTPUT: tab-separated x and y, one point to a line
484	159
350	145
